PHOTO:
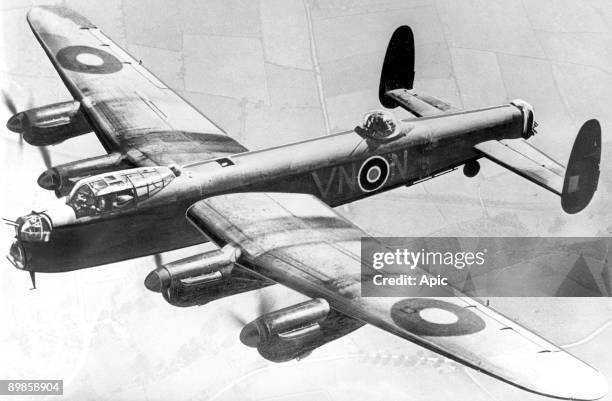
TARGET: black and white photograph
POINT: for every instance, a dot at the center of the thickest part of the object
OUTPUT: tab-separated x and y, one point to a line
267	200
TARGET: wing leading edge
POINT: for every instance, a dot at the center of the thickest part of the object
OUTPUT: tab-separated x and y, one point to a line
300	242
130	109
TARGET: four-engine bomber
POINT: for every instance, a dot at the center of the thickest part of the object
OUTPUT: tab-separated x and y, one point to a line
339	168
172	179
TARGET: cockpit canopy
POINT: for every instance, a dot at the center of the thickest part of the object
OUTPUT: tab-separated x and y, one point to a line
109	192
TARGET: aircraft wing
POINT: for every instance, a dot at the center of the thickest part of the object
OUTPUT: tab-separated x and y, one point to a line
131	110
298	241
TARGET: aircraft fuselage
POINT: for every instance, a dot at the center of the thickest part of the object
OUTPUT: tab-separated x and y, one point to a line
338	169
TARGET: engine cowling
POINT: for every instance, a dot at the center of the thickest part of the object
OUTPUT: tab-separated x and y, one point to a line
295	331
51	124
202	278
63	177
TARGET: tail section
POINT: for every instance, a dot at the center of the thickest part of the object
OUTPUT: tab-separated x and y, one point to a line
582	171
575	183
397	79
398	67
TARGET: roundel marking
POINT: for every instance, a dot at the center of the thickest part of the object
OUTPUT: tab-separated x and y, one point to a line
373	173
438	316
435	318
89	60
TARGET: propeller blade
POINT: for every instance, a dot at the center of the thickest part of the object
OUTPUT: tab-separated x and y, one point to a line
265	304
44	152
12	107
29	105
237	319
158	260
9	103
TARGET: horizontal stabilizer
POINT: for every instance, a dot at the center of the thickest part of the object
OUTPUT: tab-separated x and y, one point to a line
412	103
525	160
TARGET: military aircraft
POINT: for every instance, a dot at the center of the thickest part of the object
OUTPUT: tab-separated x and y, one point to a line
270	212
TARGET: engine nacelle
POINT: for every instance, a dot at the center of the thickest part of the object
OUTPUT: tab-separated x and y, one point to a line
63	177
202	278
51	124
295	331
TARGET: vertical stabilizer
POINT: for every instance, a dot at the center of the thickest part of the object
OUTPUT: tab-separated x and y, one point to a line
582	172
398	67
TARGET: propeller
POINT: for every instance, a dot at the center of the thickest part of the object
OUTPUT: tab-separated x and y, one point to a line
240	321
44	152
12	107
10	104
265	304
158	260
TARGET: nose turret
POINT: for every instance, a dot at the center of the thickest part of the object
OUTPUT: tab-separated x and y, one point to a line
17	255
34	227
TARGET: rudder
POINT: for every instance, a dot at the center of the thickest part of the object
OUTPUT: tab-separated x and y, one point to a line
398	66
582	172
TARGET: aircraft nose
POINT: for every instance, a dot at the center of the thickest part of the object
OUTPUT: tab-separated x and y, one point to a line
17	255
157	280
